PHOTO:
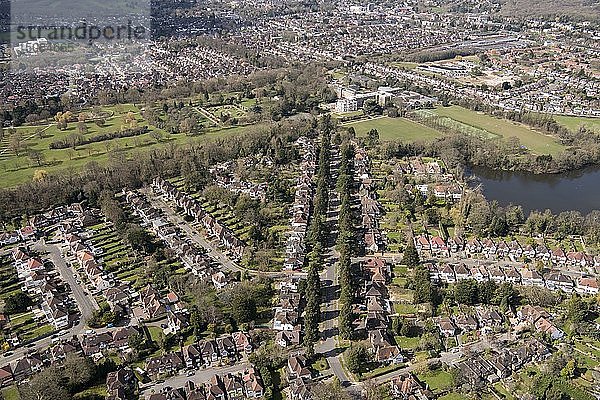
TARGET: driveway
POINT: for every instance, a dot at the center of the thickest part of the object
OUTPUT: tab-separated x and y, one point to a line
200	376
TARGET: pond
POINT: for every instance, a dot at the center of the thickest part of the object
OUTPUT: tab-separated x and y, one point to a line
575	190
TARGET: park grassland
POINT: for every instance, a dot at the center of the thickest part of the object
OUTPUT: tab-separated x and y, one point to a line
535	141
395	129
573	123
15	170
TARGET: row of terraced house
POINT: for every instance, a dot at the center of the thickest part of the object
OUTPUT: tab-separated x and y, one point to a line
194	258
39	222
44	284
203	354
93	345
513	250
553	280
370	207
478	369
246	384
295	249
286	321
376	272
192	207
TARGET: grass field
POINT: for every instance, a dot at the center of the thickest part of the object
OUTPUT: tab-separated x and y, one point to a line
437	380
404	65
395	129
453	396
404	308
11	393
407	342
17	169
535	141
573	123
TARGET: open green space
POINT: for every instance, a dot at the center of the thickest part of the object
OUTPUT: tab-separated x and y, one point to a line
488	126
9	283
404	308
11	393
573	123
19	166
453	396
406	342
404	64
437	380
395	129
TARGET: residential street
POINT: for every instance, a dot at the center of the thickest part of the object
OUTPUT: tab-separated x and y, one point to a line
85	302
212	250
330	287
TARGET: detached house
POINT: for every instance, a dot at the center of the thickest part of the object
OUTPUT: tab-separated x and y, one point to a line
209	351
587	285
407	387
446	326
296	368
558	281
545	326
192	355
287	338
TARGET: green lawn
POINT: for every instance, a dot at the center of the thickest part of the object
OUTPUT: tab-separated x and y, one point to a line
11	393
535	141
19	319
453	396
404	308
37	332
573	123
155	332
404	65
395	129
320	365
437	380
407	342
502	390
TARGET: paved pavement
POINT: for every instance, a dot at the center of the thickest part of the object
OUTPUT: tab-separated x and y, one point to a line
200	376
212	250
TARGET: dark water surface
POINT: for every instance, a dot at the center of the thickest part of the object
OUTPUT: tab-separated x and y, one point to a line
575	190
